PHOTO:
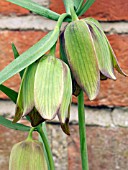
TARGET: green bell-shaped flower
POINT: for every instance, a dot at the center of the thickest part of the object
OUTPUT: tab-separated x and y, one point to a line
45	92
89	55
28	155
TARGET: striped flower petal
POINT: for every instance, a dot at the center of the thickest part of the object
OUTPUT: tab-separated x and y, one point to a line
82	57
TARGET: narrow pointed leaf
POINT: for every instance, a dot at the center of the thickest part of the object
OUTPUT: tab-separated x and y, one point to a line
82	57
16	55
16	126
78	4
30	56
36	8
9	92
102	51
49	85
64	111
85	7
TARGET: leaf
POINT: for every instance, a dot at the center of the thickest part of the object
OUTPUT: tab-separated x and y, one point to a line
30	56
85	7
49	86
102	51
16	126
9	92
79	4
36	8
82	57
16	55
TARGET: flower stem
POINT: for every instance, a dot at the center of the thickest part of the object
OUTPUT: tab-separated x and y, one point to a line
82	132
30	133
47	147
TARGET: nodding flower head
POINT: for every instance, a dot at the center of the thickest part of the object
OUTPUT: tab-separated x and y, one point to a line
89	55
45	92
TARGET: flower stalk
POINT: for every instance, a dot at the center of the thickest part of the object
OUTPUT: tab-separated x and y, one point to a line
47	147
82	132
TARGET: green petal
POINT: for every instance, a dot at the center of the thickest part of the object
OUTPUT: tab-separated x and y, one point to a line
64	111
49	86
65	125
113	56
25	100
115	62
102	51
82	57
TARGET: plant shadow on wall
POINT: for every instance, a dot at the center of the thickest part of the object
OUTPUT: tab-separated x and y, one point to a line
48	83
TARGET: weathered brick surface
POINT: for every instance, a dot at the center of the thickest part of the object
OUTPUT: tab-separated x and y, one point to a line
7	139
101	9
107	148
57	140
7	8
23	40
111	93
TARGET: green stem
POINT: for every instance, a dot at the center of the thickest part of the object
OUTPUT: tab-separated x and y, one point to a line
82	132
30	134
73	14
47	147
53	50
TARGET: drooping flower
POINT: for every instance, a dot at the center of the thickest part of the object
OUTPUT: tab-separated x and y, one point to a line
45	92
28	155
89	55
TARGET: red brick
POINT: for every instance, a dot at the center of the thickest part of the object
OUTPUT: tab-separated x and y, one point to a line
101	9
23	40
7	8
107	148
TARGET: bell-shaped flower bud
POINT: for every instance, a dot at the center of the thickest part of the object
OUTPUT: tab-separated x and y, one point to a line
89	55
52	88
28	155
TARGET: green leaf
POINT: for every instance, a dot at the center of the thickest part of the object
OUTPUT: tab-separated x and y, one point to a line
16	126
9	92
79	4
49	86
36	8
102	51
85	7
82	57
16	55
30	56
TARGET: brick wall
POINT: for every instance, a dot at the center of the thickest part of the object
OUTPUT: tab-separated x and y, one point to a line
106	116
